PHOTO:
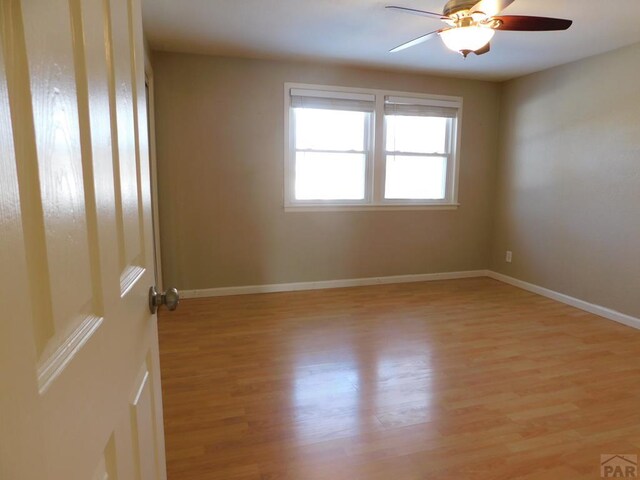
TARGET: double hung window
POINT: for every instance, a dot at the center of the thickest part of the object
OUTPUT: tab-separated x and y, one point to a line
370	149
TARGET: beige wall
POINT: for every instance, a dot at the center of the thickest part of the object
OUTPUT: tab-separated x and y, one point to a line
220	148
568	202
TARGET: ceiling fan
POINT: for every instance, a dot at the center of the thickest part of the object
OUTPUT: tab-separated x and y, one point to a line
473	23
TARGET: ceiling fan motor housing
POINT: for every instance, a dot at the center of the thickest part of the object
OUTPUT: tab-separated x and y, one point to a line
454	6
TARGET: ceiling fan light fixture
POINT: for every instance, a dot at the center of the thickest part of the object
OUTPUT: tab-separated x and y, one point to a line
467	39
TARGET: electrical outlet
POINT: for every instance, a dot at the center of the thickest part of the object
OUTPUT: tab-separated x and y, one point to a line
509	256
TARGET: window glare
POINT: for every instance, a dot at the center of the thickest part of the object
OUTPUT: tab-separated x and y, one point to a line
415	178
318	129
416	134
330	176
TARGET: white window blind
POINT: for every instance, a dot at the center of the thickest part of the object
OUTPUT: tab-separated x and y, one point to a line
414	107
326	100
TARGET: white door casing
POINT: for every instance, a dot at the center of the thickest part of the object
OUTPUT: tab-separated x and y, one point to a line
79	370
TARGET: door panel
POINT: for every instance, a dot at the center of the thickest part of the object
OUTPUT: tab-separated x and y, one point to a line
123	78
79	366
143	427
68	307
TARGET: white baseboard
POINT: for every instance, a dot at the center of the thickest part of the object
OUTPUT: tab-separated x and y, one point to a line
426	277
321	285
566	299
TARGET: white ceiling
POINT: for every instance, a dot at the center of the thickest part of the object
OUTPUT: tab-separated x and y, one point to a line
361	32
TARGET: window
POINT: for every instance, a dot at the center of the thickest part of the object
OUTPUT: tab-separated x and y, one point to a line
334	159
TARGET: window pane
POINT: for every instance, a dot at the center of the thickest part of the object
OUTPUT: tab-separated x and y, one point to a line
330	176
415	178
416	134
329	129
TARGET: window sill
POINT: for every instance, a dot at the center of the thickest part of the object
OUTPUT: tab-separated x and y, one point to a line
366	208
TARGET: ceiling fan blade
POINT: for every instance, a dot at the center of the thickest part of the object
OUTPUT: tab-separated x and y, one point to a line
531	24
491	7
421	13
483	50
416	41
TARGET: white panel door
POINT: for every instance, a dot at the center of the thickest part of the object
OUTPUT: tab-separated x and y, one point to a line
79	371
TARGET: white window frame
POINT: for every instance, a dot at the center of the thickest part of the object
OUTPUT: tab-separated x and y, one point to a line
376	153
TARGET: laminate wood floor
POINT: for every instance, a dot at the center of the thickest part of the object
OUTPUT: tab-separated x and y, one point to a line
463	379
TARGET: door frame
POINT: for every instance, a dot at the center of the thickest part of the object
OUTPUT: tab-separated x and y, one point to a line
153	166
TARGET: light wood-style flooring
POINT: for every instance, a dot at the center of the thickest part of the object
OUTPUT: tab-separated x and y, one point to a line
463	379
